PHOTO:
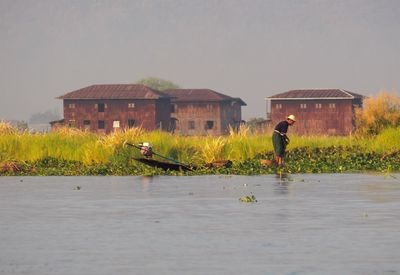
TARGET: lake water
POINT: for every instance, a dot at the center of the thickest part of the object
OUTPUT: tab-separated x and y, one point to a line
301	224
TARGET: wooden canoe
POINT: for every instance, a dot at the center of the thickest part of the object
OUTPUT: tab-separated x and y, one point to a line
165	165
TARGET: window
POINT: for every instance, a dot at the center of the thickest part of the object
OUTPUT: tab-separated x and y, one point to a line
318	105
303	106
100	107
209	124
72	123
116	124
131	105
332	105
131	123
278	106
191	125
101	124
86	124
71	105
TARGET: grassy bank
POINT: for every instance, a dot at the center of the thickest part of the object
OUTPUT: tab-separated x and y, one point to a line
73	152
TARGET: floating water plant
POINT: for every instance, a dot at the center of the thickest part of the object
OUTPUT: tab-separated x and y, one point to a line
249	198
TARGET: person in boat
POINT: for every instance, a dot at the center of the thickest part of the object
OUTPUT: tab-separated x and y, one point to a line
146	150
280	139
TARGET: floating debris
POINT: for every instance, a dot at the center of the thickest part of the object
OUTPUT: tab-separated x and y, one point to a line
250	198
78	188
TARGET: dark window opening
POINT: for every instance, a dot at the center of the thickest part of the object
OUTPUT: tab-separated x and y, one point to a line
209	124
173	108
191	125
72	123
100	107
101	124
86	124
131	123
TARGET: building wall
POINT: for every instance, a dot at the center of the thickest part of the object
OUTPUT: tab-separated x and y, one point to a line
316	117
194	118
142	112
231	115
163	114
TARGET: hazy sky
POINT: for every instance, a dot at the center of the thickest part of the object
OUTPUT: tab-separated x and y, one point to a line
243	48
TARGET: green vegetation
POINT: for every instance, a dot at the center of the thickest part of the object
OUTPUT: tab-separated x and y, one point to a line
249	198
158	83
73	152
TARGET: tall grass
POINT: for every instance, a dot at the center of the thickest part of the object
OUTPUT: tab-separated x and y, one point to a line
322	141
86	147
387	141
6	128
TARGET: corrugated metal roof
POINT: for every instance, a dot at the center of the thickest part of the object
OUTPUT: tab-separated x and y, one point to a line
115	91
186	95
317	94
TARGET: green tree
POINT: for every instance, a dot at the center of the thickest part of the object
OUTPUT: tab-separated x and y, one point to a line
253	123
158	83
45	117
22	125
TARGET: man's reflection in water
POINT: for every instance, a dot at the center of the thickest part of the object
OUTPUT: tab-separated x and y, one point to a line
281	186
145	183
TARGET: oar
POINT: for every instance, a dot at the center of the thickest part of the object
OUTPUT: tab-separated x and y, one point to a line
161	156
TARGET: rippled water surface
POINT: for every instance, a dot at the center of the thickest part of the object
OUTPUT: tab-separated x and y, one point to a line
301	224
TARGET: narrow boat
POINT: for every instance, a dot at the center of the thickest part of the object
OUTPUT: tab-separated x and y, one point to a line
147	151
165	165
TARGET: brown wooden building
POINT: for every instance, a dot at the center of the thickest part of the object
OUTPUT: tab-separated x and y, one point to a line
317	111
104	108
204	111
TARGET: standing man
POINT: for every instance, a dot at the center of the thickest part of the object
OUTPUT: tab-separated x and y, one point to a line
280	139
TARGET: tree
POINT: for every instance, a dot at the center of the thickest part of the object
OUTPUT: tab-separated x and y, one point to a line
256	123
379	113
45	117
157	83
21	125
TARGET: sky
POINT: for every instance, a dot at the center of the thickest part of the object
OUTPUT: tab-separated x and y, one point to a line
250	49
